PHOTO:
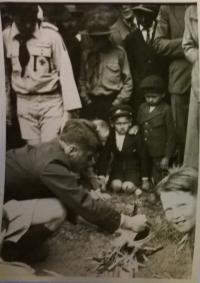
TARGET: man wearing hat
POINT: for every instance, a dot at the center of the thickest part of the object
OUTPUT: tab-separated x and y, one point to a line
129	168
143	59
40	74
125	23
156	122
105	78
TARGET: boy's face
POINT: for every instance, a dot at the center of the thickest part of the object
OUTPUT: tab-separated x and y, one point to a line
122	125
26	26
180	209
100	41
153	99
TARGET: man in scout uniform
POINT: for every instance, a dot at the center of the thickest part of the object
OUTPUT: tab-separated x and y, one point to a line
40	74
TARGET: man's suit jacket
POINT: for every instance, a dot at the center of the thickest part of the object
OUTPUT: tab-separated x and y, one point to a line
168	42
143	59
157	130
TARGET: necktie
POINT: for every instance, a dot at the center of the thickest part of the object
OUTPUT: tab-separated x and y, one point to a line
148	36
24	55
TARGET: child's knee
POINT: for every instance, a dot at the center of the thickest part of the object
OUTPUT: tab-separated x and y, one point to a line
116	185
128	187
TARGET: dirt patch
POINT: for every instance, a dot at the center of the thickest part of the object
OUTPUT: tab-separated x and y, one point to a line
72	249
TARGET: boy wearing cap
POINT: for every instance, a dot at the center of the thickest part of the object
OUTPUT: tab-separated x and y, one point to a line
40	75
155	119
105	78
129	163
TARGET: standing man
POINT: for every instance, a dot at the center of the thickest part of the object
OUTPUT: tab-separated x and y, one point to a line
168	42
41	75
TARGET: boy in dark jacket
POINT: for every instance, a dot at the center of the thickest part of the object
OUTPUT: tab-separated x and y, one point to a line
129	162
155	119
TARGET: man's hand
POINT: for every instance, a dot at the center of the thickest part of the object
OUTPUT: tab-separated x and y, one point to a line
133	130
145	184
102	182
164	163
86	100
136	223
66	117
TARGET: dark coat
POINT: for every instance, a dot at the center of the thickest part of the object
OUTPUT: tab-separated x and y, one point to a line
130	164
168	42
143	59
157	130
45	171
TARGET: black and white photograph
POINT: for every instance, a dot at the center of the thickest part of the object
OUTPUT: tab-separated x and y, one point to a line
100	140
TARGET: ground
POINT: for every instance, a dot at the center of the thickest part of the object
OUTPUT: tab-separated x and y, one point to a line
72	249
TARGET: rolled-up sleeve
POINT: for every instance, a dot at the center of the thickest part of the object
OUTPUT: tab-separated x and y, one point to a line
127	88
71	98
65	185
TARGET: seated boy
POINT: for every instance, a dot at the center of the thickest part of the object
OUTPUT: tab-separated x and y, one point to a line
156	122
129	159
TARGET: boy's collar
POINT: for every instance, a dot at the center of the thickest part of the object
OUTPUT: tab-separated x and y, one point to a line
15	31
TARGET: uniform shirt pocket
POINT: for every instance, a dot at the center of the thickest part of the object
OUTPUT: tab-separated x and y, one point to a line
41	58
112	73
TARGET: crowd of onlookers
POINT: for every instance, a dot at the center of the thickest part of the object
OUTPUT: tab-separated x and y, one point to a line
130	69
111	49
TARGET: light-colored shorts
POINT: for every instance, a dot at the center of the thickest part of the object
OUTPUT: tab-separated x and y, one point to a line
39	116
20	215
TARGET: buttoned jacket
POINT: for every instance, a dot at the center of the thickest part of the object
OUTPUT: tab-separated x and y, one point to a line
157	130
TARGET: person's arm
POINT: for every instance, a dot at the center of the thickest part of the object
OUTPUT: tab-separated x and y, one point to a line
8	70
64	184
83	79
190	47
171	136
71	98
126	91
142	151
164	44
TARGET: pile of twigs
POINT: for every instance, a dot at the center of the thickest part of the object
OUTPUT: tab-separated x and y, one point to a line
128	253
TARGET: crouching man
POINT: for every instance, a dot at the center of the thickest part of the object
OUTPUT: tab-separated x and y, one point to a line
46	180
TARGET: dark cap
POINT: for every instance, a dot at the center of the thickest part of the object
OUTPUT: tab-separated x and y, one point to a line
153	83
121	111
150	9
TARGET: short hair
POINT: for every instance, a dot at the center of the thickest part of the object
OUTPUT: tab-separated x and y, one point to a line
82	133
183	179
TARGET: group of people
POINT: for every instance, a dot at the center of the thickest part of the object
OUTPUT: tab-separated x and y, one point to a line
116	109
